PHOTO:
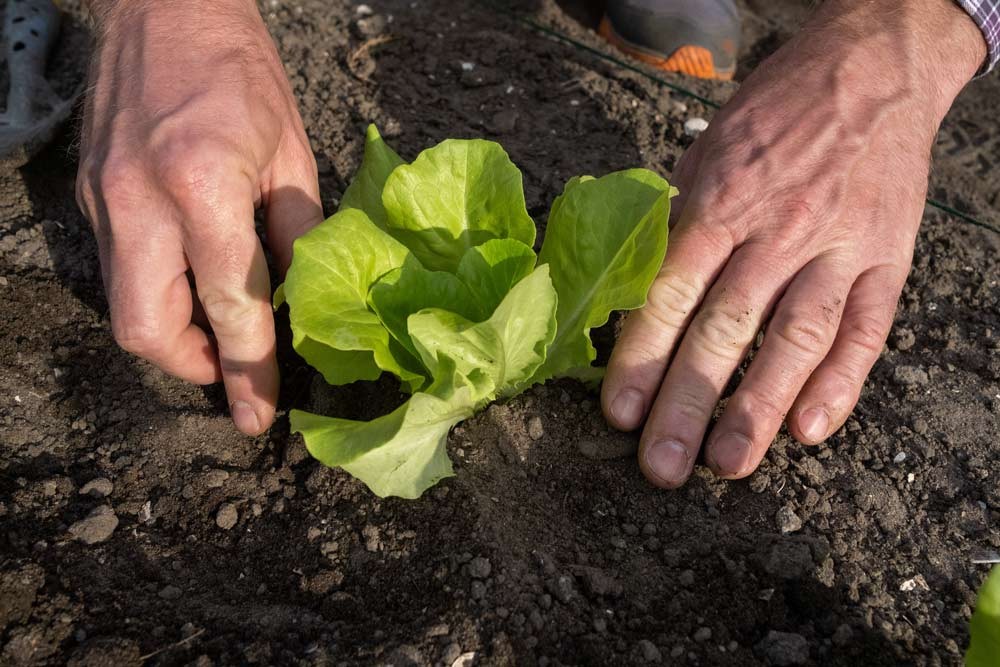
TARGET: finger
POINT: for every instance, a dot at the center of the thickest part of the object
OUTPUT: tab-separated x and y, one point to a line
234	288
831	392
293	206
712	348
796	340
151	305
695	255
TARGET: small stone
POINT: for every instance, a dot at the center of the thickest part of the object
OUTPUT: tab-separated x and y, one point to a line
97	527
784	648
100	487
702	634
788	521
910	376
695	126
677	651
480	568
363	10
468	67
170	592
920	425
917	582
649	651
227	516
465	660
478	590
535	430
899	458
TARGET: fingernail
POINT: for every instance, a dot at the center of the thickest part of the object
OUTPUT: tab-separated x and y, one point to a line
814	423
731	454
669	461
244	417
627	408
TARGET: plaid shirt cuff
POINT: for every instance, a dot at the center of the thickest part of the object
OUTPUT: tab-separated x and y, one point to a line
986	14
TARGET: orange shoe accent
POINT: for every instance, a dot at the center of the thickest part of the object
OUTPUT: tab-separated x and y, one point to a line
691	60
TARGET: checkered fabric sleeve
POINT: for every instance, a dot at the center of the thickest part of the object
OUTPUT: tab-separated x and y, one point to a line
986	14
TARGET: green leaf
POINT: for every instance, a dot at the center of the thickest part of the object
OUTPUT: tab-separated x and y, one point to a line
410	288
505	349
334	266
455	196
401	454
984	628
604	242
365	191
490	271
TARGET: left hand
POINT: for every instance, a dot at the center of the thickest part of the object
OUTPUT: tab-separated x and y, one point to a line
799	208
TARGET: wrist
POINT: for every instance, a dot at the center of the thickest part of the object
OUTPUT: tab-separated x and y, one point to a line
112	15
922	51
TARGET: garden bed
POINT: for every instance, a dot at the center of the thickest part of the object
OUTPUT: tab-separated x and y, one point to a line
225	549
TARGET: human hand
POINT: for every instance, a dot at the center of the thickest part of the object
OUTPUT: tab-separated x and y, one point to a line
801	204
190	124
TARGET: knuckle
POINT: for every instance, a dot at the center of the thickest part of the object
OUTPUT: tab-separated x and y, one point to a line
723	331
802	332
671	299
231	313
137	336
868	333
118	181
193	169
757	407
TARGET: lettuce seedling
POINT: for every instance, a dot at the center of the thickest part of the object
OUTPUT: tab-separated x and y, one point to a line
984	629
428	272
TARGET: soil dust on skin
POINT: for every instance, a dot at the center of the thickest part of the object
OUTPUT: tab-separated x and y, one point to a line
137	526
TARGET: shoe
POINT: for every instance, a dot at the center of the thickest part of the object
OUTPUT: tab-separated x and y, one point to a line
695	37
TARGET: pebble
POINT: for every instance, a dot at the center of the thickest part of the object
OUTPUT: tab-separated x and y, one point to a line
899	458
97	527
480	568
702	634
170	593
649	651
535	429
363	11
788	521
695	126
100	487
227	516
784	648
215	478
465	660
917	582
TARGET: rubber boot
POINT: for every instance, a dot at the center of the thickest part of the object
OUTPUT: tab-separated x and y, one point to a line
695	37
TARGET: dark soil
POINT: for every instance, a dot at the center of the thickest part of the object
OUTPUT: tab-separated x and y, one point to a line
199	546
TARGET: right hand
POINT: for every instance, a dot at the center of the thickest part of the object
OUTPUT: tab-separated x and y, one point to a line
190	124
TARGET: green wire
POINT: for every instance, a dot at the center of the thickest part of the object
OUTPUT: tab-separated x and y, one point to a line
546	30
